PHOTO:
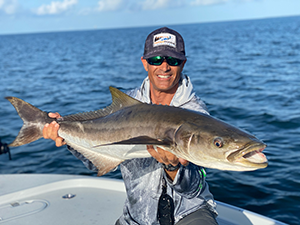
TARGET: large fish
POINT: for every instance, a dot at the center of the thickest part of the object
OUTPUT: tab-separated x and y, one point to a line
122	130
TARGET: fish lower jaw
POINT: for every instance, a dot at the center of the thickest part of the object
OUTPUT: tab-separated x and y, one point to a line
255	157
228	166
251	156
254	160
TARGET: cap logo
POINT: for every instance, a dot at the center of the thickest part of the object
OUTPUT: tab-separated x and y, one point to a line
164	39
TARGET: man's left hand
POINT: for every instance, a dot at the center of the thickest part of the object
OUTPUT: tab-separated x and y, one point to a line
165	157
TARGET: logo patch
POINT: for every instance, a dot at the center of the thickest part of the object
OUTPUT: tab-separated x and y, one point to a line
164	39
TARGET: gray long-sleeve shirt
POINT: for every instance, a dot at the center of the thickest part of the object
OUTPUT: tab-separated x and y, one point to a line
143	176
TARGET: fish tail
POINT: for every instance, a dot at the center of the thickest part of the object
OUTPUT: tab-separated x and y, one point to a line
34	120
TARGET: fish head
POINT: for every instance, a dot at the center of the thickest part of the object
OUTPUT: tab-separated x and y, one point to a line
218	145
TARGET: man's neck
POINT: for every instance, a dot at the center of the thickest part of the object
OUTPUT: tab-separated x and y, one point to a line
162	97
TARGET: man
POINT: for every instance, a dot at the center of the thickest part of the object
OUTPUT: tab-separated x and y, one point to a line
163	189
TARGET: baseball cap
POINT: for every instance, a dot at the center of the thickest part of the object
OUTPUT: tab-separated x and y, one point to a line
164	42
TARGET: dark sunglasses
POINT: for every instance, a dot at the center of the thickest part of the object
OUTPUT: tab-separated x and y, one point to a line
158	60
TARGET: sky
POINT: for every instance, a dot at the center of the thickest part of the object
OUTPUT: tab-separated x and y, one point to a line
34	16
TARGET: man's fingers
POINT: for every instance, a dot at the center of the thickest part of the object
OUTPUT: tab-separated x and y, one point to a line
54	115
45	131
162	155
154	153
50	131
59	142
172	159
183	162
166	157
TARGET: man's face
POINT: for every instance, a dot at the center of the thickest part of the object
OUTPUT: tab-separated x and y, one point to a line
163	77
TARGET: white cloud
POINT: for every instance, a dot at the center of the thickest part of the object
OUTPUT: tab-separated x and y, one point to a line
144	5
212	2
109	5
55	7
137	5
207	2
161	4
8	6
155	4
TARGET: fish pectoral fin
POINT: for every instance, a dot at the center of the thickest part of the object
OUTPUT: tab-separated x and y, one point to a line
103	163
106	164
141	140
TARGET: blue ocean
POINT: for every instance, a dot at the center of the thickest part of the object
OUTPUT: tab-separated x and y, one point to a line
247	72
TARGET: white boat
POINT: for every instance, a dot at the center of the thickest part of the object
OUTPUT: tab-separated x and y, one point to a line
71	199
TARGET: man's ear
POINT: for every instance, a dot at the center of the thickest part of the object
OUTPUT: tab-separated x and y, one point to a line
182	65
145	63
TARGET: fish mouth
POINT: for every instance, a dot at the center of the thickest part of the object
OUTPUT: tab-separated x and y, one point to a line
250	156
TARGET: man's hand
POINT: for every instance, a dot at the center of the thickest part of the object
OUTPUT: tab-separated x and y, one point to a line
166	158
50	131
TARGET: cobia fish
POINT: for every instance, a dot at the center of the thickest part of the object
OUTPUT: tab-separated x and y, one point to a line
123	129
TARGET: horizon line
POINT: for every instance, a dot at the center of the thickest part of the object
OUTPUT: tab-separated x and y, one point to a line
138	26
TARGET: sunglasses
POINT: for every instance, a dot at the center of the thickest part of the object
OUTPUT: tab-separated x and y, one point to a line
158	60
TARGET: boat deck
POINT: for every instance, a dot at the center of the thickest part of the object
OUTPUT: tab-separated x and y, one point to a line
66	199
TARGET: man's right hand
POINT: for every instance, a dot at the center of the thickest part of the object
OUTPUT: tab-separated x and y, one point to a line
50	131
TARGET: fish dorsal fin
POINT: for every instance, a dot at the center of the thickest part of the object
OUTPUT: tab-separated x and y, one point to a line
119	100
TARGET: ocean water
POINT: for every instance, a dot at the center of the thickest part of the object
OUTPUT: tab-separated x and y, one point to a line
247	72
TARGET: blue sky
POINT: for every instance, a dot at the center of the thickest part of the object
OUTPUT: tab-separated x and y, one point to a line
28	16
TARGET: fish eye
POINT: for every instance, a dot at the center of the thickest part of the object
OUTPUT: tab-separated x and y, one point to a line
218	142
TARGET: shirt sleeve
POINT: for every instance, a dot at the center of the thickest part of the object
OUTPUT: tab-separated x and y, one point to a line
189	181
195	104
